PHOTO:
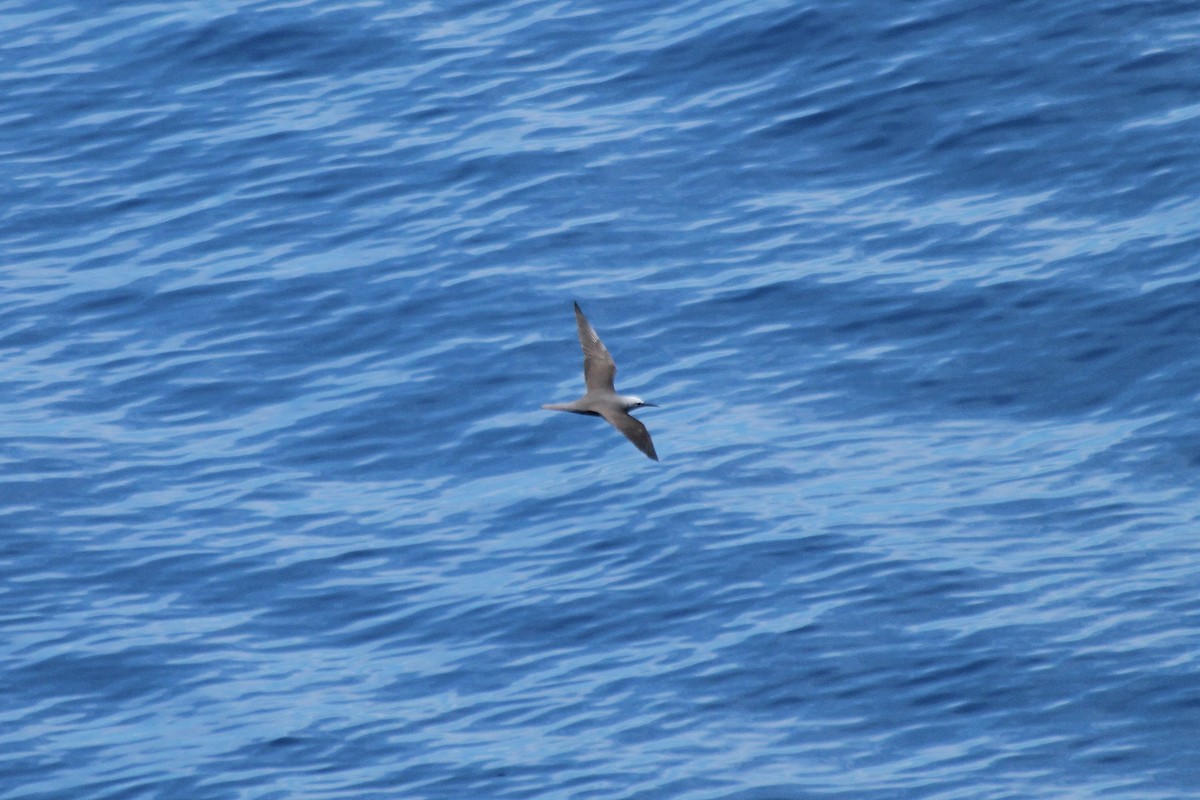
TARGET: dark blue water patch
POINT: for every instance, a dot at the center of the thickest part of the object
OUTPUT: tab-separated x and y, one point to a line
98	680
969	351
1164	450
909	98
746	46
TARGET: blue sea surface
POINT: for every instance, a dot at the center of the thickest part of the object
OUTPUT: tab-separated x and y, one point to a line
284	284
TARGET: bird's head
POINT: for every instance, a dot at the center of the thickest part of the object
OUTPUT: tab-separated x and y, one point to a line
630	402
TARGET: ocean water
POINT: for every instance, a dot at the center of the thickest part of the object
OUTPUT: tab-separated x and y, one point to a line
284	284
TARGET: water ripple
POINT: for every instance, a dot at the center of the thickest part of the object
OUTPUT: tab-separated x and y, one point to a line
288	284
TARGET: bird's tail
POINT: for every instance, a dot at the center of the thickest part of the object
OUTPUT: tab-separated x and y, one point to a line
559	406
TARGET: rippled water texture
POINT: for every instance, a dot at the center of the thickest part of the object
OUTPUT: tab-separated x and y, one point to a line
286	283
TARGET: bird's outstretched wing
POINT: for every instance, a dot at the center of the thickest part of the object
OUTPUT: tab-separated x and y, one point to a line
634	431
598	366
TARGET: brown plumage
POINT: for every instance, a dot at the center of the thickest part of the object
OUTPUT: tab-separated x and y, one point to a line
601	399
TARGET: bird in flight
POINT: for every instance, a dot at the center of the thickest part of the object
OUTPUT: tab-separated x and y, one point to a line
601	399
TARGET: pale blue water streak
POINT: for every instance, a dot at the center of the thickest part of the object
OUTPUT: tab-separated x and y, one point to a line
285	284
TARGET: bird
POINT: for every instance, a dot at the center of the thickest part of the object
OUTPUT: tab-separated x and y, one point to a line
601	399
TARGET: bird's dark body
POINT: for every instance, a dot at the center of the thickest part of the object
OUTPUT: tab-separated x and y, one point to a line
601	399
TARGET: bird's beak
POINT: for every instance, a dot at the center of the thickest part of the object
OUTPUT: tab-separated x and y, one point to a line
655	405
